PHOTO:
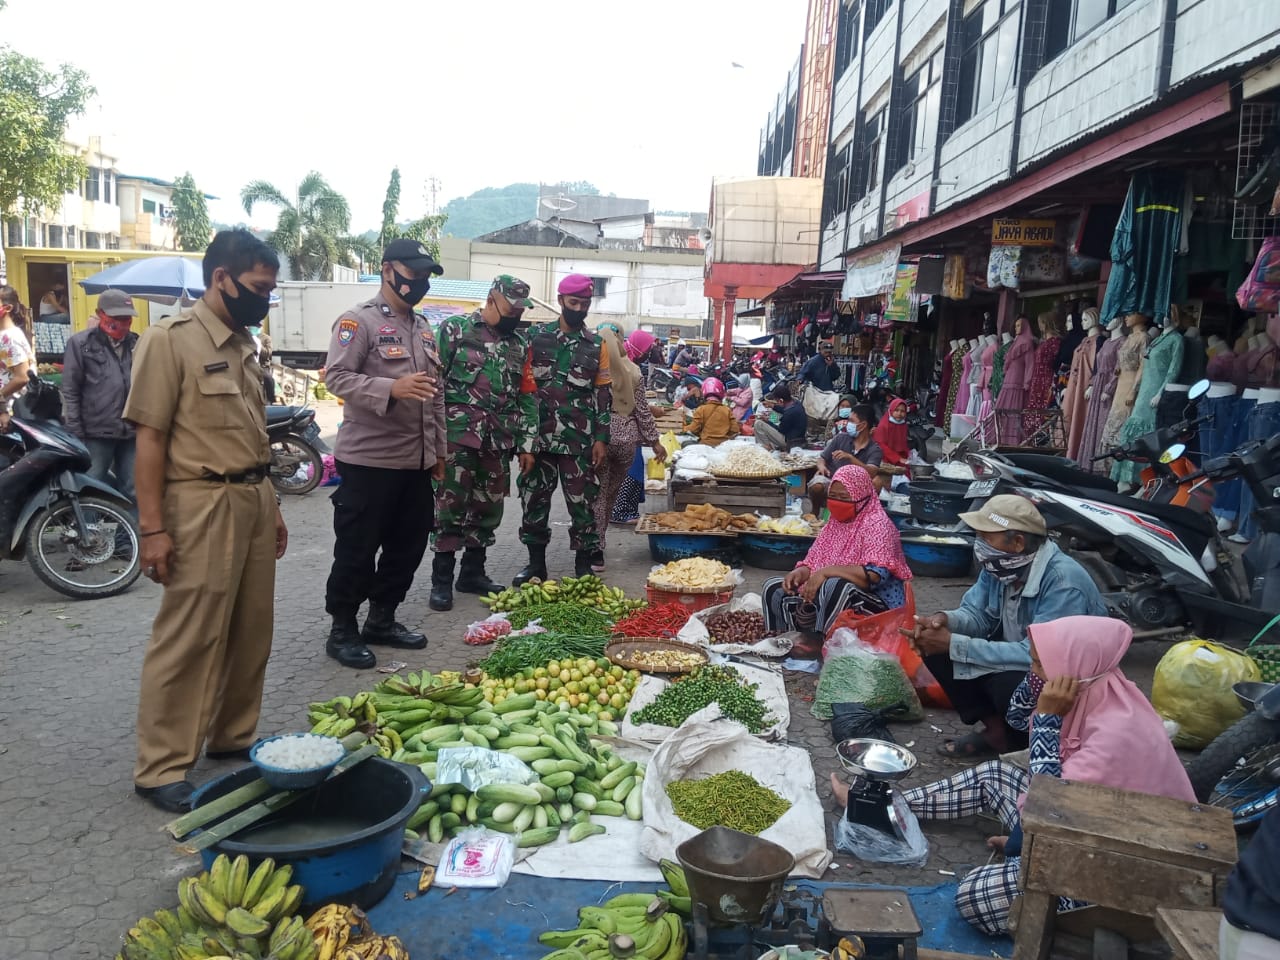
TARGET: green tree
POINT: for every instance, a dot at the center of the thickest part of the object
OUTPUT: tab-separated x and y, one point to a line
35	105
311	231
390	207
426	229
191	216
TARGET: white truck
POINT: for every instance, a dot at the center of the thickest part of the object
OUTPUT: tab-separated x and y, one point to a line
302	322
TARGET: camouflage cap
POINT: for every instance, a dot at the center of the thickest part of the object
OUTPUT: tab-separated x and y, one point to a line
513	290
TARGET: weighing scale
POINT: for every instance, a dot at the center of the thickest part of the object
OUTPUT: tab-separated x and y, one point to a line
874	765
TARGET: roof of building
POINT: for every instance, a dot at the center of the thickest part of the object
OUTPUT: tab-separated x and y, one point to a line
535	233
474	290
154	181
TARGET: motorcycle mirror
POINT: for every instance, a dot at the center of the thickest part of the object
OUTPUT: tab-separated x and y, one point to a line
1198	390
1174	452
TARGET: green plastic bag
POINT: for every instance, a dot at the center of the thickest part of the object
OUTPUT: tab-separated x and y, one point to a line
1192	688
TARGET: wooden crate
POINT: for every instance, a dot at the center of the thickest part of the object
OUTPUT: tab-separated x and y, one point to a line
737	496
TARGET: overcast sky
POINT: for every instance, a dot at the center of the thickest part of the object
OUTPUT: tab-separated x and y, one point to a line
641	99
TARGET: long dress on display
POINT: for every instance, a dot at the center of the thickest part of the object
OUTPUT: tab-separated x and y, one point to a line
1128	364
1044	373
957	375
1105	370
997	368
1074	403
975	381
984	384
1163	361
944	392
966	381
1013	392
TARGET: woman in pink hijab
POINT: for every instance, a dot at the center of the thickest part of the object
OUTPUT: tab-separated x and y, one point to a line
1088	722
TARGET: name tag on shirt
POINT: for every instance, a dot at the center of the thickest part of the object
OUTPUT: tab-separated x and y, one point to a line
386	340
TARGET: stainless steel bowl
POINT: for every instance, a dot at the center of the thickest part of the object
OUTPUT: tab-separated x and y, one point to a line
875	759
1248	692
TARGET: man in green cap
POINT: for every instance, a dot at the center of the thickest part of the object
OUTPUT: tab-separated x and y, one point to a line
487	419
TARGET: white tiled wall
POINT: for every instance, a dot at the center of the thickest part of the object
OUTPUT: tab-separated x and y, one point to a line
1212	34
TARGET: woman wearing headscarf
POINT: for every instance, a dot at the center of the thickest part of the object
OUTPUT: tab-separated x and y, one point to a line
857	553
631	423
891	433
1087	722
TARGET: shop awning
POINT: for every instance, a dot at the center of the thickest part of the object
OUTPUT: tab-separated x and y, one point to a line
806	284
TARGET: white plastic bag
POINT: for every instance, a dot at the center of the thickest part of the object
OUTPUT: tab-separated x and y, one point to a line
876	846
821	404
476	767
476	858
707	745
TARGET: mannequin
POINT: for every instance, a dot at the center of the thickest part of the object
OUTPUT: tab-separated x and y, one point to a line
1099	394
1160	364
1018	369
997	364
1044	371
976	348
1129	368
944	388
959	382
1173	402
1083	361
1074	334
990	344
1264	418
1216	345
966	379
1006	338
1251	327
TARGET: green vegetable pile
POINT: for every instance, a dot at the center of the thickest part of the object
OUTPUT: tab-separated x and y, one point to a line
875	680
732	799
569	619
513	655
705	686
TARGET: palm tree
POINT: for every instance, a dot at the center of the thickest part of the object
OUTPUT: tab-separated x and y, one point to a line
310	233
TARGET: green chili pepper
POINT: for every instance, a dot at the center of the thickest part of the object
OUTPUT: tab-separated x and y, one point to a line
732	799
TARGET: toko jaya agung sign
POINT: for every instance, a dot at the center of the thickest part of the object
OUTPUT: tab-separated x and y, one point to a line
1025	233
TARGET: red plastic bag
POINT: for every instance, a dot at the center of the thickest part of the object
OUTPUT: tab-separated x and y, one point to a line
881	632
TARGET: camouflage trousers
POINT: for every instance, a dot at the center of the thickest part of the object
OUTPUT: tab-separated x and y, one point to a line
469	501
580	487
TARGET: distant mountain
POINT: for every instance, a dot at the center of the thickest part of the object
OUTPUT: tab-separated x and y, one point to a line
492	208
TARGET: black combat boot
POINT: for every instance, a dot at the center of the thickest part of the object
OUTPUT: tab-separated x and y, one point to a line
582	563
442	582
345	645
381	627
472	578
536	568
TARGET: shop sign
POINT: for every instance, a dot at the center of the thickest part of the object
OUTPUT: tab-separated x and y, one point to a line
901	307
871	274
917	208
1025	233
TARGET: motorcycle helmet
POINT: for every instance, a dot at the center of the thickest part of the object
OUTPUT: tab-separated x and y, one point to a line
712	389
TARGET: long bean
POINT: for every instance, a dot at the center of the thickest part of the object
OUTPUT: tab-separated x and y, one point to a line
567	618
511	655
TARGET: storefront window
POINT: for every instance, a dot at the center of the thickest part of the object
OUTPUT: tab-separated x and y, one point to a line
989	52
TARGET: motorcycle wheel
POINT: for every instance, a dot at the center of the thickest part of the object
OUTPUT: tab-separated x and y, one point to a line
296	466
84	567
1238	770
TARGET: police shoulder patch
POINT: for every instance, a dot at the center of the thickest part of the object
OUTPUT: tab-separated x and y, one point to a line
347	328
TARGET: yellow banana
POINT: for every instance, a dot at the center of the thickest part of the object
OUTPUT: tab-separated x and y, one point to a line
187	899
238	881
219	876
210	903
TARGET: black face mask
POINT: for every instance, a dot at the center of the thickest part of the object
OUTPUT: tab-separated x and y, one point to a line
417	288
576	319
248	309
507	325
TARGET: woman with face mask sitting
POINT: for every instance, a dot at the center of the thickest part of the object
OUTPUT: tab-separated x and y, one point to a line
854	446
1087	721
891	434
857	559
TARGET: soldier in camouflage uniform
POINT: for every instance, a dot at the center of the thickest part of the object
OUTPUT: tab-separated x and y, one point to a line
488	418
568	371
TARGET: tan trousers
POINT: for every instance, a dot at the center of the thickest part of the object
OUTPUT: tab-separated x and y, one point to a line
204	666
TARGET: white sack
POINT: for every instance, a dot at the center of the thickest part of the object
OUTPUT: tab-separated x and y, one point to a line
771	690
695	630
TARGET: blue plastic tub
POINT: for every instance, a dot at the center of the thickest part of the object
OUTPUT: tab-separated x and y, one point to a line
665	547
773	551
949	555
379	796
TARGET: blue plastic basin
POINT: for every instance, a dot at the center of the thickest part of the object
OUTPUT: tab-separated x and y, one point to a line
929	558
359	867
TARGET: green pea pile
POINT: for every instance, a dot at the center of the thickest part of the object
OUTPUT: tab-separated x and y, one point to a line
705	686
731	799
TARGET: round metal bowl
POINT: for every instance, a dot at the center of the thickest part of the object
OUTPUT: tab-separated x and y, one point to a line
875	759
1249	692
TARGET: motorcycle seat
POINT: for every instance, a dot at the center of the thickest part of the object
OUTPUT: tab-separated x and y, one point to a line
1061	470
277	413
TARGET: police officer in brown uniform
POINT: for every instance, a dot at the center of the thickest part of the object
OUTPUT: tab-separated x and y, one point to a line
210	523
383	362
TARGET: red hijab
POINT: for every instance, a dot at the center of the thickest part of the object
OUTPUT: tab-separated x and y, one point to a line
870	538
891	436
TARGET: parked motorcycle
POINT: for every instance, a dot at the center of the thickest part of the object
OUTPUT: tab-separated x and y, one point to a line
1240	768
78	534
296	465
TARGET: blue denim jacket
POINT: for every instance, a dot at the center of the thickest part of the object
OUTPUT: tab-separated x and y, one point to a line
1057	586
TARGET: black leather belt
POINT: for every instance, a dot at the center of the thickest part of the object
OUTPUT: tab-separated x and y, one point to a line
256	475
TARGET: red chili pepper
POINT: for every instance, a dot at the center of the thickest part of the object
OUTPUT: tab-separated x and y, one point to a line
660	621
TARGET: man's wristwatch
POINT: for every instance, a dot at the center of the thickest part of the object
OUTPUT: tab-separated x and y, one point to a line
278	500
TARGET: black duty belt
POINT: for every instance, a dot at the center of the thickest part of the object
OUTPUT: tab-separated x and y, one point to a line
256	475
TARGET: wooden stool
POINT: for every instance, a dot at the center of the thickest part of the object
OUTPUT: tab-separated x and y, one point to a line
1192	934
1129	851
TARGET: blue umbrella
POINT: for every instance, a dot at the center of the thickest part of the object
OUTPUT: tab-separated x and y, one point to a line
173	278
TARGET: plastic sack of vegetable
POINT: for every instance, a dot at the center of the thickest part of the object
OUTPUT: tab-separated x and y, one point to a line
1192	689
876	846
853	672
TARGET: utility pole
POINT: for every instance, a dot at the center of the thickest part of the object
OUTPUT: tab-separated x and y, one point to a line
433	187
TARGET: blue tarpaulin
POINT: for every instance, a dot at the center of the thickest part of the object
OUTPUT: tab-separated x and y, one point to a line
506	922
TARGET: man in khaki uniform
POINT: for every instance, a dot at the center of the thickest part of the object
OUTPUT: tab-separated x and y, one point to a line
385	365
210	525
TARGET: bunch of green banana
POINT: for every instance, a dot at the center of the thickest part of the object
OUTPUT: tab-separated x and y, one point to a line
589	591
677	897
636	925
341	715
579	778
